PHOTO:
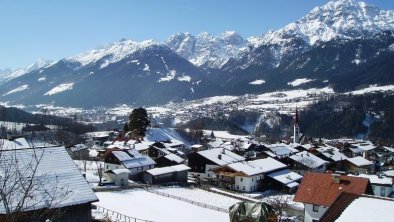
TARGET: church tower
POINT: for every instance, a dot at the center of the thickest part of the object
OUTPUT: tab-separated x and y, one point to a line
296	136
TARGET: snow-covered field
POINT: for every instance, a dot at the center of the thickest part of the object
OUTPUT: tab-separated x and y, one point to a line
141	204
60	88
223	134
202	196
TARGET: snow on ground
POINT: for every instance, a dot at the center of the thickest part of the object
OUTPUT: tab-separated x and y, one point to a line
146	68
373	88
298	82
19	89
185	78
145	205
257	82
60	88
170	76
122	110
163	134
202	196
291	94
217	99
224	134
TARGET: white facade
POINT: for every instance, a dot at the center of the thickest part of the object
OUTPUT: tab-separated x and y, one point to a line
247	184
313	212
381	190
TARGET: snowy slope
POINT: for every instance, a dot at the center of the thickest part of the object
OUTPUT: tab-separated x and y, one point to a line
344	19
208	50
39	64
163	134
111	53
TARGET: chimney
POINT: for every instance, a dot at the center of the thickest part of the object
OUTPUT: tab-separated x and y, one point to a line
335	178
223	151
220	156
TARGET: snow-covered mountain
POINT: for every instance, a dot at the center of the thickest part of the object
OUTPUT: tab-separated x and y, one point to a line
338	45
338	19
111	53
207	50
39	64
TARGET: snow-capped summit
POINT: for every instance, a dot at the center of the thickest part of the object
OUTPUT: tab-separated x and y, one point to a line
206	49
39	64
111	53
343	19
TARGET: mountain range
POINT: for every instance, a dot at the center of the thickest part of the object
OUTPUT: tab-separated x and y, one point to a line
345	44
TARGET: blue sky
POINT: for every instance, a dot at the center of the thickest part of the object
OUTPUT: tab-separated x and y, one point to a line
53	30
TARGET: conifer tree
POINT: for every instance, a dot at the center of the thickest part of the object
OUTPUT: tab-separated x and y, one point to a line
139	121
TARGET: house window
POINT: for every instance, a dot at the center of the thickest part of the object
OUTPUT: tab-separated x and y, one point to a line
237	187
241	179
243	188
209	175
382	191
252	179
315	208
107	167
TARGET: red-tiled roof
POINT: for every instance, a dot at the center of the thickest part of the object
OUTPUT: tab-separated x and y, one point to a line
319	188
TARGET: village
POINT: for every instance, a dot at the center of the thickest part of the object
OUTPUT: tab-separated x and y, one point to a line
122	177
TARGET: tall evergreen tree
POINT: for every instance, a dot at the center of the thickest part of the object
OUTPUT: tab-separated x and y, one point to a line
139	121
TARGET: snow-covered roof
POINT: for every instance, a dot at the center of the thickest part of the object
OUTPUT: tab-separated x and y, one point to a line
375	179
366	146
19	143
119	171
78	147
356	150
368	209
389	173
56	175
180	167
131	158
308	159
282	149
216	143
139	162
221	156
332	153
259	166
174	158
170	169
141	146
286	177
359	161
390	149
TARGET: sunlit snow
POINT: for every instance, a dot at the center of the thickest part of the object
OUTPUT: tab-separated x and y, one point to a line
42	79
373	88
298	82
60	88
19	89
257	82
185	78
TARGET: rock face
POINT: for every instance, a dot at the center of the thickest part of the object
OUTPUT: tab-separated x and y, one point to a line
344	44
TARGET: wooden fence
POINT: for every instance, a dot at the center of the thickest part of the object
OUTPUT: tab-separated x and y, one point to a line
118	216
189	201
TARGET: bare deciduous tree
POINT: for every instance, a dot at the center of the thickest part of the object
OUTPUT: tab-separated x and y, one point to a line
281	205
26	191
